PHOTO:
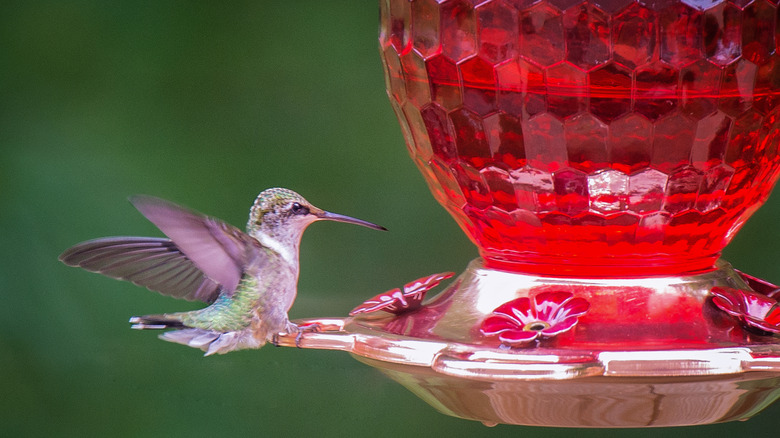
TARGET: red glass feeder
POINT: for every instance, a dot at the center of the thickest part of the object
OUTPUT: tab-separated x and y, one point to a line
590	138
600	154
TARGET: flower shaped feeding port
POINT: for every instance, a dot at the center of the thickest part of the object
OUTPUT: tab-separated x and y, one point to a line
604	149
399	301
524	320
753	309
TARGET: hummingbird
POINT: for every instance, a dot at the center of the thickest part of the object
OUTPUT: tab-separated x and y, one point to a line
249	279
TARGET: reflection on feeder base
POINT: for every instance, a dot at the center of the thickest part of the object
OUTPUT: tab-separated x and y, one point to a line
647	352
608	402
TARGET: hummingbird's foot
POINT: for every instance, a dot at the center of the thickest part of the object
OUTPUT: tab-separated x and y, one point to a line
299	330
312	327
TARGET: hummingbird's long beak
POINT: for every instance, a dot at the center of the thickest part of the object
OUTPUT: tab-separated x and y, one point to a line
328	216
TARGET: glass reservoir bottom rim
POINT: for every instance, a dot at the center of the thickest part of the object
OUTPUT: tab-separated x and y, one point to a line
617	266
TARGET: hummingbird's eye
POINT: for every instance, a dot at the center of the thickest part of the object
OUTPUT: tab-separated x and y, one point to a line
299	209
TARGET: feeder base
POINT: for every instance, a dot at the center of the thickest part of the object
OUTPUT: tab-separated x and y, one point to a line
650	351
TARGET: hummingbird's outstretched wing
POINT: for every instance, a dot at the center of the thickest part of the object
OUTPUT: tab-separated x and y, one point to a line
154	263
220	250
203	258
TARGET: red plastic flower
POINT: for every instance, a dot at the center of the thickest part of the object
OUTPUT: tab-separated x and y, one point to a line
398	301
522	321
751	308
761	286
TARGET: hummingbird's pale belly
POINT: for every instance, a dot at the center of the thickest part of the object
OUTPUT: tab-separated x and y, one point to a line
276	295
249	318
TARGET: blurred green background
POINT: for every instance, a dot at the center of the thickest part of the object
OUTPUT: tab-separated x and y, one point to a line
207	105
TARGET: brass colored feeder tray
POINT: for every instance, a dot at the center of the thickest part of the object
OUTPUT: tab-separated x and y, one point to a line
501	347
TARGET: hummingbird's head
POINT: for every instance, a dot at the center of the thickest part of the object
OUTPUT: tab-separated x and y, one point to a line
283	214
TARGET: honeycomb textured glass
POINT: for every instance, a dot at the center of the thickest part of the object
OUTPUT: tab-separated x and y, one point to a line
593	138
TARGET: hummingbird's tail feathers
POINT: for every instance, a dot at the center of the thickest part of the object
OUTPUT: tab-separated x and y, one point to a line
210	341
155	322
213	342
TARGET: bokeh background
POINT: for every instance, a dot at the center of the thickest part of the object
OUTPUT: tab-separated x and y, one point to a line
207	104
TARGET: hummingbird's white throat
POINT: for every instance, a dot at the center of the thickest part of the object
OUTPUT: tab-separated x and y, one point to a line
288	250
